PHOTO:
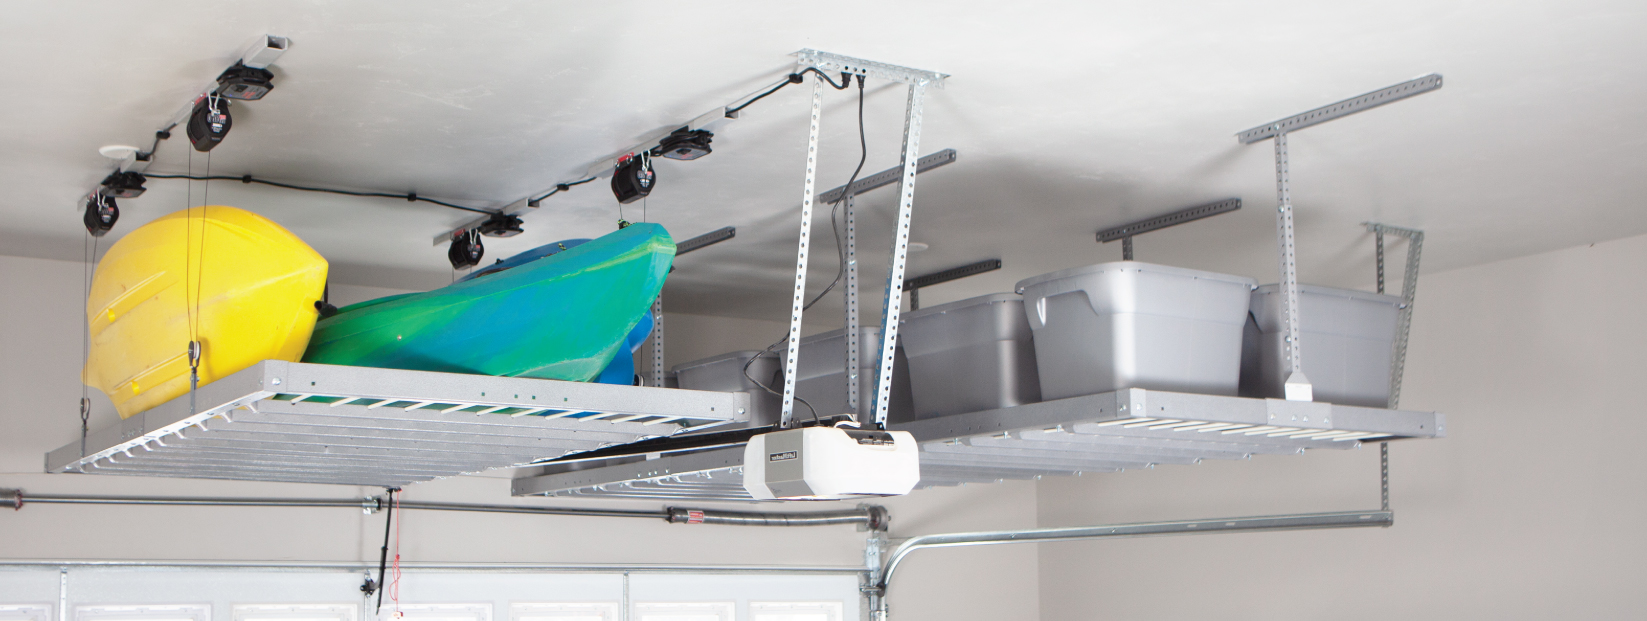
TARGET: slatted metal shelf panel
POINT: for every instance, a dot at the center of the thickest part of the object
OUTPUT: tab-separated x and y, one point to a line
1108	432
312	423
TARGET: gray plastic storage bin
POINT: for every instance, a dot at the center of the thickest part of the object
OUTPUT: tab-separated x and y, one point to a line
724	373
821	378
1136	325
1347	340
972	355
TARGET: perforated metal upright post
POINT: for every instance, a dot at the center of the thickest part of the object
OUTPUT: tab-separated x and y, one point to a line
852	344
657	341
1409	293
799	303
893	301
1297	387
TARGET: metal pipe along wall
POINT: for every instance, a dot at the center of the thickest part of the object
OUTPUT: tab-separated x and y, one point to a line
868	516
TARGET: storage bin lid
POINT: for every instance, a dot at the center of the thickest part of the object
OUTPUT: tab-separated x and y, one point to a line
737	355
1353	294
1131	265
1346	312
993	298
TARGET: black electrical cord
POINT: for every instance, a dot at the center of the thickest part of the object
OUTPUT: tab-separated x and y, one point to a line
846	78
559	187
794	78
158	136
250	179
768	389
863	156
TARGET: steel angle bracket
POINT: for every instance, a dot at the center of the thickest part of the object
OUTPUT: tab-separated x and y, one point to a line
914	285
1175	218
827	62
1366	101
707	239
890	176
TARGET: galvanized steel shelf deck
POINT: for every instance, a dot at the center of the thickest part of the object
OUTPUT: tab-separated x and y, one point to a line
314	423
1106	432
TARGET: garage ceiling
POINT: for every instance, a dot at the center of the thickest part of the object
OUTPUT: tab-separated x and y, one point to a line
1068	117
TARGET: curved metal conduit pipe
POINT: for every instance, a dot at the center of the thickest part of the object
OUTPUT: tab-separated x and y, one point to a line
868	517
1305	521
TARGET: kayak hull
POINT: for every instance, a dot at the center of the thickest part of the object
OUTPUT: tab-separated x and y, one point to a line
559	317
237	282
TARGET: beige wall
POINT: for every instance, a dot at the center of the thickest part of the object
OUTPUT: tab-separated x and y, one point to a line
1528	510
41	316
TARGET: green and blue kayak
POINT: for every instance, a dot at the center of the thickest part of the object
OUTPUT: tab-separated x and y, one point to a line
563	316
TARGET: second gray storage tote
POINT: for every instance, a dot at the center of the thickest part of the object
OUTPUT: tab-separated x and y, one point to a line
1346	339
1136	325
972	355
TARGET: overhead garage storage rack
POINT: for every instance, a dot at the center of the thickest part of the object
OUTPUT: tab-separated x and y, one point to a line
315	423
1106	432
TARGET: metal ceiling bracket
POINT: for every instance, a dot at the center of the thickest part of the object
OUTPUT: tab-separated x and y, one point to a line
890	176
1175	218
1125	232
955	273
892	303
827	62
707	239
798	306
1297	387
1366	101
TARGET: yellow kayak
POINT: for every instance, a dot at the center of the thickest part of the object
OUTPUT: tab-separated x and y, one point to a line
240	284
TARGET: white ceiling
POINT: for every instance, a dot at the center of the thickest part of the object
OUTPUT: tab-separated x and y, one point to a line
1069	117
